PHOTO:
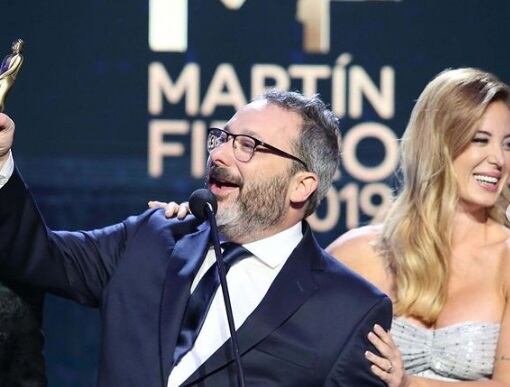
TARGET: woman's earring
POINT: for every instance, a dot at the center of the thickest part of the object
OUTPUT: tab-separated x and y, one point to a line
508	213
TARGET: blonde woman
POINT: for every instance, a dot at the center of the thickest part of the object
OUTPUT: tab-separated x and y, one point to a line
443	252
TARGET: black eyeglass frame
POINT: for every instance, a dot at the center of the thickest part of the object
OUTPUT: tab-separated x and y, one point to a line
257	143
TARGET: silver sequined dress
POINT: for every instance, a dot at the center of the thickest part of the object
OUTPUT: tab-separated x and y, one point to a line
463	351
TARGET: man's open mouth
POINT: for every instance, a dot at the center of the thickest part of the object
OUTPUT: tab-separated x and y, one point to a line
221	181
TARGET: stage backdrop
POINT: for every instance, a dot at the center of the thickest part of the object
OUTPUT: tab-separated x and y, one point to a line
114	99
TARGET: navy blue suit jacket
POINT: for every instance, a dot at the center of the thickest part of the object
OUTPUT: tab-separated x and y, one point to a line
309	330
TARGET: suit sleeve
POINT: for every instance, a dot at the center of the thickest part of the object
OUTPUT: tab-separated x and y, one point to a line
352	368
75	265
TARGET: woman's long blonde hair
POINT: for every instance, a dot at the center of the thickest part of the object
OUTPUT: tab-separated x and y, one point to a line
416	235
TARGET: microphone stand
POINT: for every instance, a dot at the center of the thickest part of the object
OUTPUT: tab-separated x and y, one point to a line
226	297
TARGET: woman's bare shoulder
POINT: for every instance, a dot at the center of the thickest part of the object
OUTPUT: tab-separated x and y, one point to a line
356	249
358	241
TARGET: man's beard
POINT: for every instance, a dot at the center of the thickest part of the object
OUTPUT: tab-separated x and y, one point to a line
259	206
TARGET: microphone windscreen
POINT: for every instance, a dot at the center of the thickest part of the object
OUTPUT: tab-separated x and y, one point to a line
198	201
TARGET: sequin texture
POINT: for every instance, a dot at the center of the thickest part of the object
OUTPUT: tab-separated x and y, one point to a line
463	351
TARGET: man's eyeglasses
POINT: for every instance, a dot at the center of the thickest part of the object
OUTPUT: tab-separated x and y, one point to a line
244	145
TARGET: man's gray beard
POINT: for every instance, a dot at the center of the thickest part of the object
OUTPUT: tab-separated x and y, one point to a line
259	207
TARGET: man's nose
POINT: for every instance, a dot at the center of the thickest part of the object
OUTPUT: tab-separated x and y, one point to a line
223	154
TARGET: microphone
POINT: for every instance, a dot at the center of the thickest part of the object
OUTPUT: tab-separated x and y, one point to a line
200	199
204	205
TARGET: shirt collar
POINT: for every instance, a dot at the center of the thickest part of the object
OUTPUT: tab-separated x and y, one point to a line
274	250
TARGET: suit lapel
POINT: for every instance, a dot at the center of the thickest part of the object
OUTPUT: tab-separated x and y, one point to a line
184	262
290	289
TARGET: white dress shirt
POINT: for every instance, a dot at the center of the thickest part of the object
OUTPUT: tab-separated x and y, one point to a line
248	282
6	170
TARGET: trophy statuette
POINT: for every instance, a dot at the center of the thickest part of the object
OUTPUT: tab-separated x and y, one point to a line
9	70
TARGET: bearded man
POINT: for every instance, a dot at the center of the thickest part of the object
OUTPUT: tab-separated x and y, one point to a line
301	318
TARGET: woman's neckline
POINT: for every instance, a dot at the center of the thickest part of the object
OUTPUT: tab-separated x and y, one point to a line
446	327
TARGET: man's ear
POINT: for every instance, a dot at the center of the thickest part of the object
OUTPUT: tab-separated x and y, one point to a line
303	186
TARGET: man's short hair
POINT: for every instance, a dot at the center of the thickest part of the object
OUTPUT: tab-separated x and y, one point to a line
319	143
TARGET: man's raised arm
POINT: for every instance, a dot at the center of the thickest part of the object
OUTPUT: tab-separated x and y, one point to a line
76	265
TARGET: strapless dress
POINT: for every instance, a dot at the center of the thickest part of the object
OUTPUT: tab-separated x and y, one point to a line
463	351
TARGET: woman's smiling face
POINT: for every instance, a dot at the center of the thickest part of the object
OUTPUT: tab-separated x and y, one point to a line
483	167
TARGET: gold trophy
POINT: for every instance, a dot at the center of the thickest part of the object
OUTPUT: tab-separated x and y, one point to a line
9	70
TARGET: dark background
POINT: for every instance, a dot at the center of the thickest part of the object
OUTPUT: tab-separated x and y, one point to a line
80	102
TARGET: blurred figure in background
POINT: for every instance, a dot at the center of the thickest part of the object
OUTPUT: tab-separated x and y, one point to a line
21	339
